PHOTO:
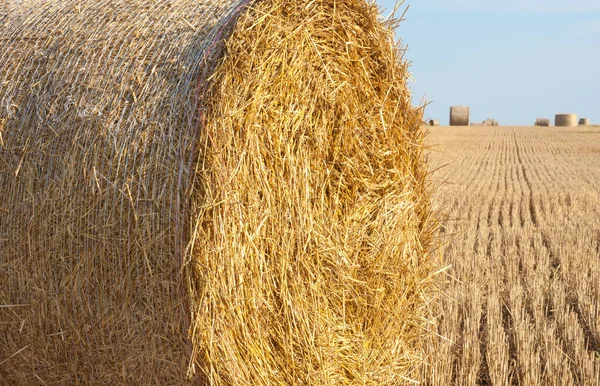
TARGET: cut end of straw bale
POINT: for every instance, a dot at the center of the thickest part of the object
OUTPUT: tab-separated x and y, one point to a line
565	120
230	190
312	178
459	116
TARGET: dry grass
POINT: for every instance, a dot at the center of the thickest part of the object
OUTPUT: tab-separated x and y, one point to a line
168	171
522	236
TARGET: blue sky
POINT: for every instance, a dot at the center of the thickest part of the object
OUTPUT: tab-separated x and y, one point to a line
512	60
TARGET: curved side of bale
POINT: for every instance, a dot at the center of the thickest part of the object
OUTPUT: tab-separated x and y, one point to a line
459	116
311	261
542	122
565	120
584	122
98	101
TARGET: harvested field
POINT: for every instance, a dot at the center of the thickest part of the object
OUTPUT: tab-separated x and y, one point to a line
522	233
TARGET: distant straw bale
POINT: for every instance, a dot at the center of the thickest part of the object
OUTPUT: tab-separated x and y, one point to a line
490	122
459	116
542	122
433	122
565	120
584	122
230	189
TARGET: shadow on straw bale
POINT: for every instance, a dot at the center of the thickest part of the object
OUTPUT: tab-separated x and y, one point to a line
168	170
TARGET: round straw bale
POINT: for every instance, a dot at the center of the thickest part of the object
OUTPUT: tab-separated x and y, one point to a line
206	187
459	116
489	122
433	122
584	122
565	120
542	122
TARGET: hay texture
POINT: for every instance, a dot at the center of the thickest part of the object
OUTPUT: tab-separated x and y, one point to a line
584	122
542	122
233	191
565	120
459	116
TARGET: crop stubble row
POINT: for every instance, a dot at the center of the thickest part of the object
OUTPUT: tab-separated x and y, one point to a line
521	231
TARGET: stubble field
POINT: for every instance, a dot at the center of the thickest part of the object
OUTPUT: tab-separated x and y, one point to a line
521	232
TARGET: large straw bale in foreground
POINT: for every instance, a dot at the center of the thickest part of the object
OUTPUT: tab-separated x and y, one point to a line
195	185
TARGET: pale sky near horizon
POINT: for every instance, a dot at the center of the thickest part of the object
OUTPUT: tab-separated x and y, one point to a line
512	60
